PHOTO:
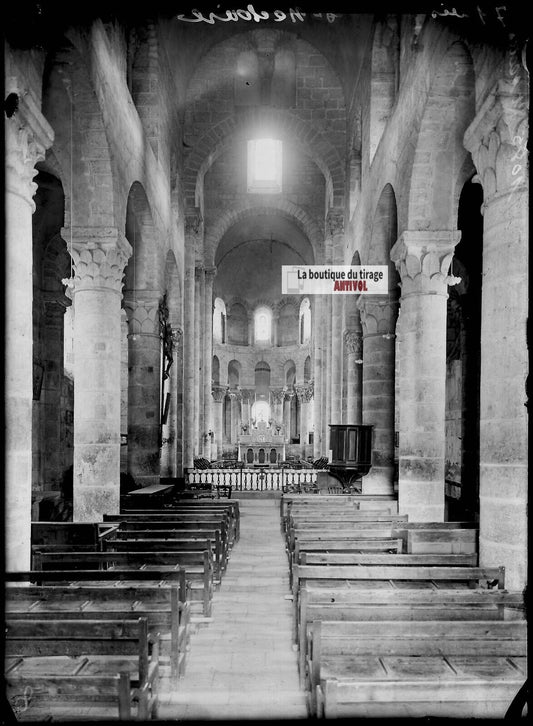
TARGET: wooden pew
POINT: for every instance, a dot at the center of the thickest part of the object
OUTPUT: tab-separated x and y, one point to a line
197	565
222	520
188	505
362	501
377	605
392	576
161	607
140	531
94	662
461	536
325	519
428	668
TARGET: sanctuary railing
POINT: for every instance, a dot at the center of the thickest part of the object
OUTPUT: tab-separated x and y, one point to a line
255	480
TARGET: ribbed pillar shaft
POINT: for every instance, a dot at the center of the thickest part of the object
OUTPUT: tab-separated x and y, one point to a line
27	136
326	374
503	476
378	320
218	394
423	259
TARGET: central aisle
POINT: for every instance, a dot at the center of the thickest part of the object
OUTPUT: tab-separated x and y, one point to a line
242	665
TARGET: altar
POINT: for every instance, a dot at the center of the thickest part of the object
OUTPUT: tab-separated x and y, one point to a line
262	445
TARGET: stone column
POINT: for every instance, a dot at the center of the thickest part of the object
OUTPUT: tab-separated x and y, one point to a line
317	368
199	281
378	318
27	136
53	333
193	235
336	359
304	393
287	414
247	397
99	257
144	386
218	393
423	260
171	449
497	139
277	394
353	342
207	334
327	375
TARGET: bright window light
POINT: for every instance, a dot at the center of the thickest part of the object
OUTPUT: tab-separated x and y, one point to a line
264	166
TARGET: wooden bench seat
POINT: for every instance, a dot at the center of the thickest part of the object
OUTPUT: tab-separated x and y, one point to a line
89	662
188	505
431	668
137	530
377	605
460	536
362	501
197	565
160	606
187	520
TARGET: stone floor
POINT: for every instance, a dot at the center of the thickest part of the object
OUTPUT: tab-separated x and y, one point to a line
242	664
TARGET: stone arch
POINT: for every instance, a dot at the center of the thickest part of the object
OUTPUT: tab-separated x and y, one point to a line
234	373
384	234
439	171
248	208
70	105
237	324
287	127
289	373
173	290
383	79
143	77
143	271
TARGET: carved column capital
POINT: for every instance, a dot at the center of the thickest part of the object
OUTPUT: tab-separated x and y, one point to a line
99	256
247	394
497	138
27	136
143	309
277	394
423	259
210	274
378	314
219	393
304	392
193	222
353	342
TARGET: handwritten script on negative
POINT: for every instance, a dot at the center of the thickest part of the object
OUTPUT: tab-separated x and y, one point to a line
293	14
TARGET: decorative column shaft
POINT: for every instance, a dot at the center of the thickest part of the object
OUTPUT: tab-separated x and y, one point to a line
327	374
144	385
99	256
497	139
378	318
305	396
353	342
423	260
193	235
277	395
27	136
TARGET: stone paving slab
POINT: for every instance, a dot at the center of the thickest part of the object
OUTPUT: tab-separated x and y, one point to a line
241	665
